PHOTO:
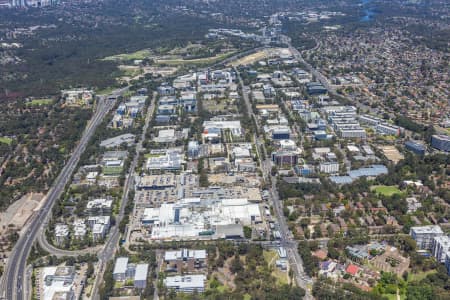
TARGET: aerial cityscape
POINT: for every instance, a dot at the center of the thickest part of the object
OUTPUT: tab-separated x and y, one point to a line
239	149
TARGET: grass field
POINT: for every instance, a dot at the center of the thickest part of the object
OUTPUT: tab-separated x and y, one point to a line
386	190
199	61
106	91
420	276
138	55
37	102
394	297
111	171
271	257
250	59
148	155
6	140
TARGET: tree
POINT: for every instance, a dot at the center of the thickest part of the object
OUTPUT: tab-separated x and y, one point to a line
236	264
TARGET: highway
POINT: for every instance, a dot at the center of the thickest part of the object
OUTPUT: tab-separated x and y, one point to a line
287	240
14	276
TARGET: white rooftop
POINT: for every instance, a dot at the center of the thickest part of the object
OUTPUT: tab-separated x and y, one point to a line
179	254
141	272
185	282
121	265
430	229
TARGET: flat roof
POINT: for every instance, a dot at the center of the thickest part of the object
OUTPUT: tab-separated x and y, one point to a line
186	282
141	272
121	265
428	229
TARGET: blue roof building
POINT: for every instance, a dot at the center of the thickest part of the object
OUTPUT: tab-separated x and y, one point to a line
441	142
414	147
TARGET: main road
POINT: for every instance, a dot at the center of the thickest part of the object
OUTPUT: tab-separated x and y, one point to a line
287	240
14	276
111	245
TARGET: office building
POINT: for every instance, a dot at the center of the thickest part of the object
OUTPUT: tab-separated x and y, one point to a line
424	235
61	233
193	149
441	142
447	262
185	259
140	276
440	246
329	167
281	158
186	284
415	147
389	129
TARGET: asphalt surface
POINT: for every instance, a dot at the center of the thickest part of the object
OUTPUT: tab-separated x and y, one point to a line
113	241
286	240
13	278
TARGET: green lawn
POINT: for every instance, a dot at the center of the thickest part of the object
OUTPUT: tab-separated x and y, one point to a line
386	190
138	55
247	297
6	140
420	276
271	257
37	102
148	155
106	91
111	171
394	297
199	61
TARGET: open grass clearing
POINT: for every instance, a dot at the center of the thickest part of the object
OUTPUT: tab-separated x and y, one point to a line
197	61
271	257
386	190
138	55
38	102
106	91
6	140
420	276
111	171
250	59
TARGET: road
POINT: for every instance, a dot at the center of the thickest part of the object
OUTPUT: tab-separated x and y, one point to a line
113	241
297	55
287	240
14	276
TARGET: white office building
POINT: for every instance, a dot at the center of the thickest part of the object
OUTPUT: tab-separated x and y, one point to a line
389	129
356	132
187	283
329	167
424	235
61	233
440	247
140	276
120	269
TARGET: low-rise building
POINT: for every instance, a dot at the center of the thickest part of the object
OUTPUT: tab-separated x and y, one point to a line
99	206
415	147
61	233
140	276
186	283
389	129
79	228
329	167
185	259
441	142
170	160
